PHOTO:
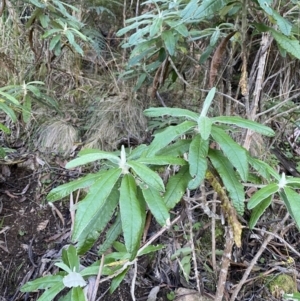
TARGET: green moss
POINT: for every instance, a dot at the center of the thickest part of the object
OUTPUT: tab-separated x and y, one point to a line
282	284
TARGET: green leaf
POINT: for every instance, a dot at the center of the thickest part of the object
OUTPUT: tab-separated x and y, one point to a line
117	281
156	205
182	29
244	123
284	25
92	155
208	8
204	127
258	211
155	27
9	97
42	283
198	161
65	189
51	292
262	194
292	297
77	294
189	9
94	270
292	180
236	154
292	201
214	37
147	175
70	258
10	113
176	187
63	267
89	208
161	160
111	235
4	129
170	134
205	54
176	149
26	109
208	100
132	215
88	237
44	19
54	41
170	40
118	246
266	5
291	46
70	37
137	152
150	249
263	168
140	81
174	112
228	176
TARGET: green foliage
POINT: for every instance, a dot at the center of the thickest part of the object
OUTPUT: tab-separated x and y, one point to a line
16	100
60	25
285	188
70	278
131	182
166	29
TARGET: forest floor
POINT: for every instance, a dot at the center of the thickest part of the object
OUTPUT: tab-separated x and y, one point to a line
33	233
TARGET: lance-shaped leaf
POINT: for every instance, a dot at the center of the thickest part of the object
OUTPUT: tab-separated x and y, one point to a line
293	181
176	149
26	109
137	152
259	210
263	168
170	134
92	155
174	112
131	214
117	281
208	100
245	123
236	154
111	235
176	187
147	175
42	283
170	41
8	111
77	294
89	208
197	161
156	205
229	178
262	194
204	127
70	258
88	237
65	189
292	201
50	293
290	45
161	160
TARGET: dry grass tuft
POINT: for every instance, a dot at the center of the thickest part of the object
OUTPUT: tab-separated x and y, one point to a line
114	119
56	136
